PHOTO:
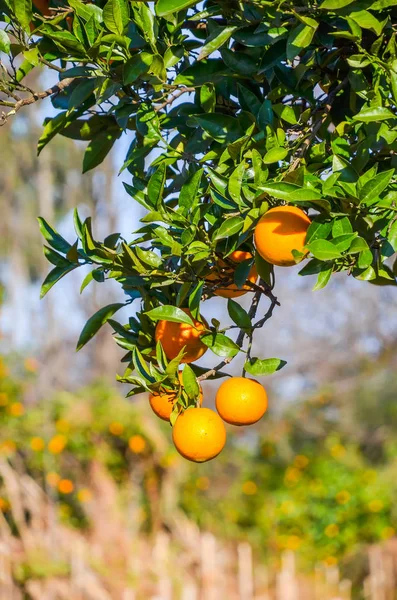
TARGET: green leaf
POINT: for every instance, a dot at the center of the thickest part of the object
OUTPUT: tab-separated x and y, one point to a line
169	313
374	187
98	149
341	226
323	250
367	21
220	344
300	37
54	126
343	242
167	7
95	323
291	192
267	366
238	314
53	238
156	185
222	128
318	231
335	4
370	114
228	228
216	40
322	279
235	182
5	43
53	277
116	15
190	189
190	383
205	71
23	12
135	66
274	155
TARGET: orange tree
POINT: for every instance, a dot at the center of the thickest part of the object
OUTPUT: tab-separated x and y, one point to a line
253	124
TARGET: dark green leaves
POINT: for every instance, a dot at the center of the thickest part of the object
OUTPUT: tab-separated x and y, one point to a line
238	314
94	324
156	184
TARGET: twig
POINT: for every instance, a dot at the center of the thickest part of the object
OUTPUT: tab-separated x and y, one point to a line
174	96
261	289
55	89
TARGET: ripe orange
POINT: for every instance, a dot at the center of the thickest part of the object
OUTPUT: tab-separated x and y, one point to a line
175	336
241	401
281	230
230	290
199	434
162	404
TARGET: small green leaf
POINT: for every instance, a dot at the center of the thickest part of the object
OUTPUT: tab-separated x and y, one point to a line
220	344
53	277
53	238
274	155
5	43
228	228
322	279
98	149
156	185
268	366
370	114
216	40
238	314
166	7
169	313
323	250
94	324
190	383
374	187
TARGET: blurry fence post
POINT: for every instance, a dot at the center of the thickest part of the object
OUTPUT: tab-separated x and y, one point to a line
209	588
287	586
6	581
380	585
161	555
245	572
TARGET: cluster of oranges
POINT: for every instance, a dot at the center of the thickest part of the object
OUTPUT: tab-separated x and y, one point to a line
199	433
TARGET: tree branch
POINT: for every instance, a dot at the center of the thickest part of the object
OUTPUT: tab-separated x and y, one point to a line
174	96
261	288
55	89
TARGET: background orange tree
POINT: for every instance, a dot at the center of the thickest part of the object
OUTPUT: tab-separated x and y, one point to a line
232	108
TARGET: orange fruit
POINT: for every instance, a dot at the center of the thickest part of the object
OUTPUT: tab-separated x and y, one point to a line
163	403
231	290
175	336
281	230
199	434
241	401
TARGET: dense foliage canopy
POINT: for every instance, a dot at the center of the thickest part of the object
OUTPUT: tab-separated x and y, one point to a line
231	107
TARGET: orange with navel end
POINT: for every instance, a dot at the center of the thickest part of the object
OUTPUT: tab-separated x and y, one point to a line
241	401
199	434
175	336
281	230
163	403
230	290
